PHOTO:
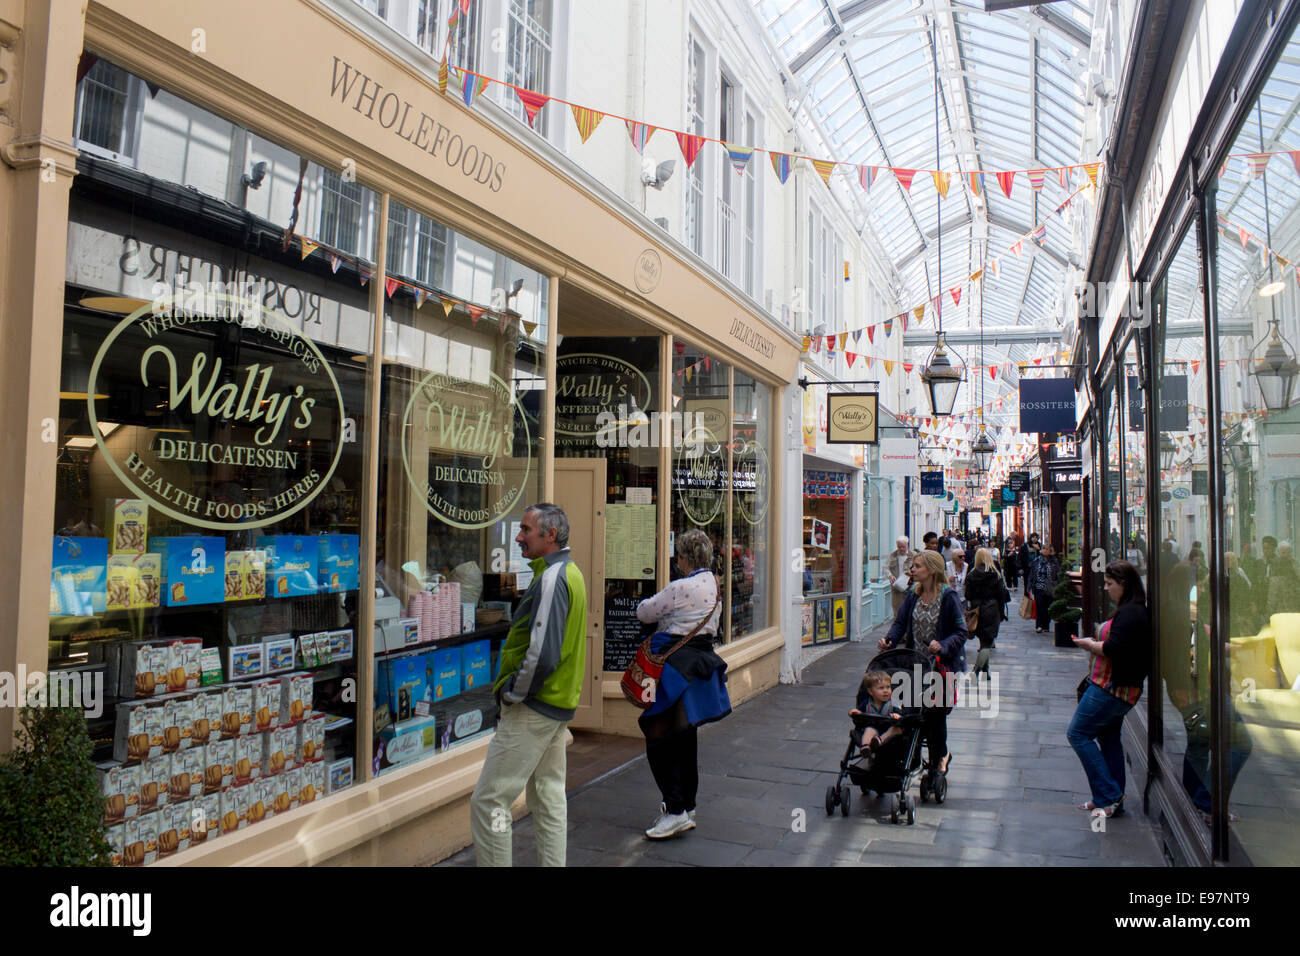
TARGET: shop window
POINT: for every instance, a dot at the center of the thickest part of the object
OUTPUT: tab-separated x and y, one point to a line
826	510
107	111
1256	248
399	231
1186	619
341	211
463	403
1133	456
751	503
700	489
608	406
878	537
528	55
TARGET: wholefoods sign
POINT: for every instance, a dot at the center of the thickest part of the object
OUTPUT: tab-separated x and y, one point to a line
250	415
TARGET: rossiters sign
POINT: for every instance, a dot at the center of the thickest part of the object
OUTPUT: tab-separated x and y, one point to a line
1047	405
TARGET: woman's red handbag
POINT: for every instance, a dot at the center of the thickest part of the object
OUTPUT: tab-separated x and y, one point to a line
641	679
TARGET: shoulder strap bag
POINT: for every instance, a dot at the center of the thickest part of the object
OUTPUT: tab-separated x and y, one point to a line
641	679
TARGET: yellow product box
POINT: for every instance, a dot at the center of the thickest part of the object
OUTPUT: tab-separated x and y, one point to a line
128	526
148	580
183	668
122	579
254	573
234	575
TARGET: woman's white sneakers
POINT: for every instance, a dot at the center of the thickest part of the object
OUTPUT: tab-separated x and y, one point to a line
670	824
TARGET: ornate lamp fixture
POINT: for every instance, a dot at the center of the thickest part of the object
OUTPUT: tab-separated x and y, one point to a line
1275	371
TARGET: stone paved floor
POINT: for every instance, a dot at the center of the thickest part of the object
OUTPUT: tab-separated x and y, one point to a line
1012	788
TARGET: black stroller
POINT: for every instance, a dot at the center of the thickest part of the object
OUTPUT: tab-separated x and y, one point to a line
892	767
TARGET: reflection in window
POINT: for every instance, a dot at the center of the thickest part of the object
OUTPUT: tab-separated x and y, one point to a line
751	501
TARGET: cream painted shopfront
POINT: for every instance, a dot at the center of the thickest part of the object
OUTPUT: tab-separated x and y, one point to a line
309	375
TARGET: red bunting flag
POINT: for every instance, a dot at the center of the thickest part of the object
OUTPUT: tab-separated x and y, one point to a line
532	101
830	343
908	366
1005	179
850	356
993	372
904	177
708	363
690	144
1244	236
475	313
955	292
871	329
390	286
1295	161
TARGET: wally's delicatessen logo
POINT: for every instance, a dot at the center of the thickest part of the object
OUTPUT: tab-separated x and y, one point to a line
250	415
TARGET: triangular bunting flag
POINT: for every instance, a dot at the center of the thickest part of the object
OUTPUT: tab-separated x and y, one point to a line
955	292
532	101
308	247
904	318
844	339
849	357
940	182
364	273
586	120
908	366
993	372
1091	170
443	72
739	156
977	275
1064	173
1016	247
889	326
830	343
447	306
1257	162
471	85
1196	367
1005	179
824	169
1295	161
869	361
690	372
530	328
857	337
1036	178
807	343
867	176
335	262
679	348
993	267
904	177
919	312
1244	236
464	6
475	313
780	166
390	286
871	334
889	367
976	183
640	134
1040	233
420	296
690	144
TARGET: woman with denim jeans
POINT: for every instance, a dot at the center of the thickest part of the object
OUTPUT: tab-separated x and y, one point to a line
1121	660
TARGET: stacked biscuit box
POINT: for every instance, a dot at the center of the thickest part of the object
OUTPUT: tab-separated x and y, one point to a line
438	611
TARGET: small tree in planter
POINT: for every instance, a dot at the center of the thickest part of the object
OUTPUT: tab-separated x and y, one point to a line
1063	611
51	809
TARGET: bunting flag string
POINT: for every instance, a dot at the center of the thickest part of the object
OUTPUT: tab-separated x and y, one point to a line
690	145
1005	179
308	247
740	157
640	134
586	120
866	176
824	169
780	166
940	183
533	102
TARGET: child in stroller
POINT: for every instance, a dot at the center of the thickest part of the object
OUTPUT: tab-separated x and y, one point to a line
884	751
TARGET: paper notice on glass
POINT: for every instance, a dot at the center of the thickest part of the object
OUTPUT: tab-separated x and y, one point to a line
639	496
630	542
517	562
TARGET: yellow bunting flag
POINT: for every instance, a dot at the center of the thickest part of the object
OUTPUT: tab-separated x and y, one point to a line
889	366
443	73
919	312
844	337
530	328
447	306
824	169
587	121
940	182
807	343
308	247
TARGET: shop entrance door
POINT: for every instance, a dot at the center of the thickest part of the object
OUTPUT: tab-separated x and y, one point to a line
580	491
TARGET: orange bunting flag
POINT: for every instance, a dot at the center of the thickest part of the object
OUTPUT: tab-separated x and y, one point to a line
993	372
904	177
919	312
308	247
587	121
807	343
940	182
532	102
390	286
824	169
475	313
871	333
1091	170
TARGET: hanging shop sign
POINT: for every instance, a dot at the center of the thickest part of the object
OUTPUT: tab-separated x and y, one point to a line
1136	405
1200	482
1047	405
699	475
1018	481
932	483
253	432
459	441
593	391
1008	495
1173	403
1063	478
898	456
851	419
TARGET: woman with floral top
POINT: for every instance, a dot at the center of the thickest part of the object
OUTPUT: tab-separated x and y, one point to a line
1121	659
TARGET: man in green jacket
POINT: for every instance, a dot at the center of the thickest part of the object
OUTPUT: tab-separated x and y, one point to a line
543	662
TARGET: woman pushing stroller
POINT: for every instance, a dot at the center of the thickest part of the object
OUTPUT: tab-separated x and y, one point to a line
931	622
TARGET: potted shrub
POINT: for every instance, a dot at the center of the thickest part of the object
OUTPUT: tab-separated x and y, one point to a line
51	809
1063	612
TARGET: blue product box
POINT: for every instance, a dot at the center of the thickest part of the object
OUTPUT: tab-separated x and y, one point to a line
339	558
445	676
79	576
291	564
403	683
476	664
190	577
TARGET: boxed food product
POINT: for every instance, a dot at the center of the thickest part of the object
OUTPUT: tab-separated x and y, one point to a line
340	775
121	580
234	808
289	744
295	698
338	562
292	564
273	755
258	809
279	654
193	570
155	783
218	765
186	705
408	740
234	581
308	651
293	786
313	782
171	726
142	669
131	738
170	827
402	681
188	768
210	667
150	824
205	818
116	837
340	645
207	718
266	704
254	568
274	793
248	758
132	775
148	580
132	844
79	576
128	525
236	710
247	660
446	673
476	664
311	738
112	784
183	664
